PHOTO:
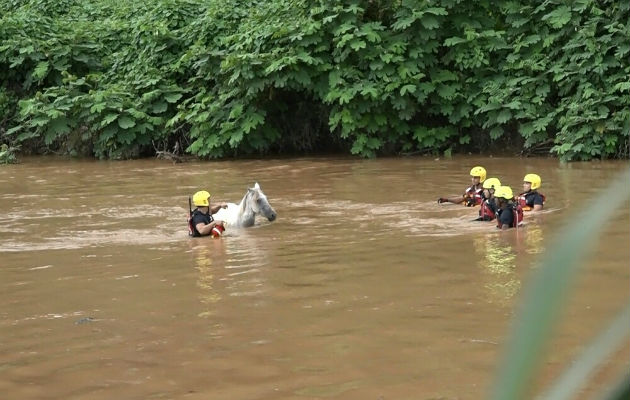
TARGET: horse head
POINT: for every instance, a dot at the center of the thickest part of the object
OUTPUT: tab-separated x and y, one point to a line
258	203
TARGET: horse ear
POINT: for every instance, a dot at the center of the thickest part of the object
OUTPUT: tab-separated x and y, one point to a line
256	186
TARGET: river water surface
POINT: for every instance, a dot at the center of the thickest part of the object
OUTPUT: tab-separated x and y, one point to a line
363	288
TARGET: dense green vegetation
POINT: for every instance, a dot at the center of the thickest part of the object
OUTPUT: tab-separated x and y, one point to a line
119	79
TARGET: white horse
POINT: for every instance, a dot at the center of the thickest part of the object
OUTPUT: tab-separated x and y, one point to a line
244	213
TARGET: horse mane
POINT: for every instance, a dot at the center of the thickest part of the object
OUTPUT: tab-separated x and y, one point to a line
243	211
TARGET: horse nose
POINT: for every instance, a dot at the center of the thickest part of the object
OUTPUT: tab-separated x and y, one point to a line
272	217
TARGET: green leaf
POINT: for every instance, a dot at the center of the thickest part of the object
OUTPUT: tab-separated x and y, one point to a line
380	119
374	143
402	24
236	112
159	107
504	116
372	91
452	41
41	70
372	36
427	87
108	133
27	50
622	87
490	107
357	44
108	119
527	129
496	132
26	135
277	65
360	146
252	120
345	97
518	22
53	113
40	121
407	89
436	11
541	123
126	122
172	97
513	105
13	130
56	128
542	90
97	108
558	17
447	91
429	22
443	75
126	136
334	78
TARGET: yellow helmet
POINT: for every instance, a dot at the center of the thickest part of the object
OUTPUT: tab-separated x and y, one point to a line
200	199
480	172
492	183
505	192
533	179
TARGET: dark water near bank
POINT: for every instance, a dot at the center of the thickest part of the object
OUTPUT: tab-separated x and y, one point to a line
364	288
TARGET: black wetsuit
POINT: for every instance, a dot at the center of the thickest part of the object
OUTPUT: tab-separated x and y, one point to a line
505	216
197	218
532	198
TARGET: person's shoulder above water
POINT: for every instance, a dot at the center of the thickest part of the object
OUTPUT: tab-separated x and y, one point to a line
472	195
202	221
199	217
510	214
488	208
531	199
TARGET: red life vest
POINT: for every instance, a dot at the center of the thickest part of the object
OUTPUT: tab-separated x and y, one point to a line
518	214
191	231
473	197
486	212
522	200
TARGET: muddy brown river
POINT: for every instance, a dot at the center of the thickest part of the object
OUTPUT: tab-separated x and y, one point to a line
363	288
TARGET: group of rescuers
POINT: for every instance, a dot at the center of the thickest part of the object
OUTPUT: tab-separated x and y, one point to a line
495	201
498	202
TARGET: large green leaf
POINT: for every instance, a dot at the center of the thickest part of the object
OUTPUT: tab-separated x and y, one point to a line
109	118
429	22
41	70
504	116
56	129
558	17
126	122
172	97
